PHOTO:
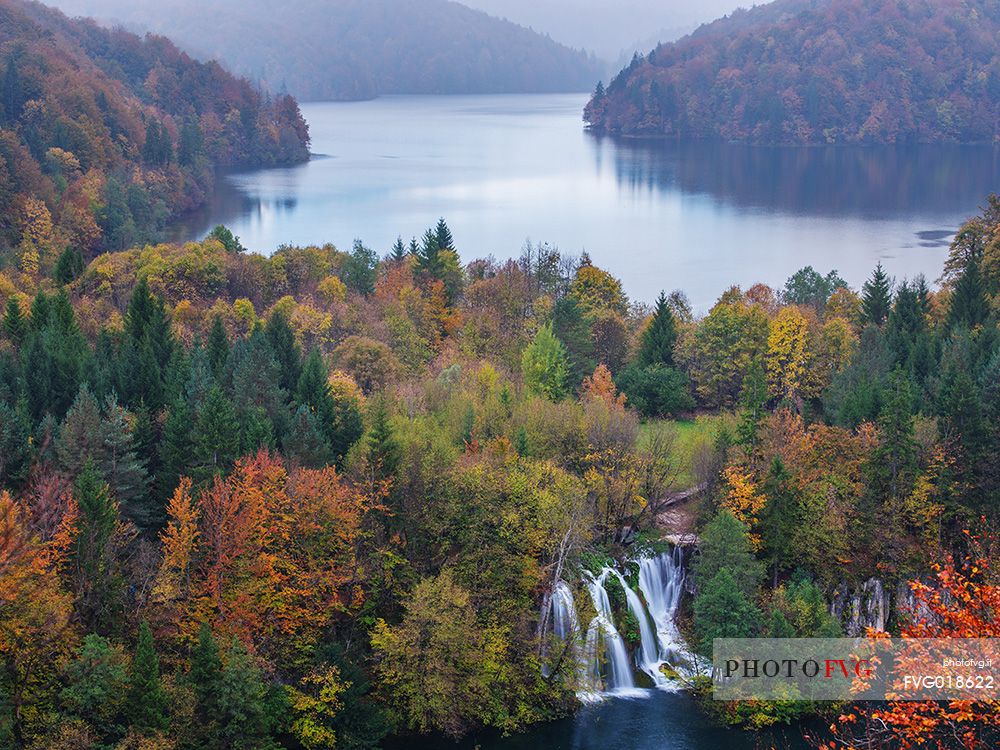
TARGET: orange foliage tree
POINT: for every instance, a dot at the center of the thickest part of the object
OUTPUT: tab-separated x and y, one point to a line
267	555
963	601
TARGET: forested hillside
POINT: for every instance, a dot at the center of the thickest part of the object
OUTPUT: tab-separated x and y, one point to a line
298	501
358	49
104	136
819	71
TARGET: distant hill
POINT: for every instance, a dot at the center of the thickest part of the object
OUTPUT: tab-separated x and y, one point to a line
357	49
104	135
819	71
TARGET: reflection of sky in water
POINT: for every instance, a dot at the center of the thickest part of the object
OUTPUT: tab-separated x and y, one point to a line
697	217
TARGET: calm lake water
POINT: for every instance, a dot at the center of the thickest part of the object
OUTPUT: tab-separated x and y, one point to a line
663	721
698	217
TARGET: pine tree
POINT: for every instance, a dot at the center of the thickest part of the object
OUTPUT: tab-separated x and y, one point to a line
753	401
779	520
15	446
413	248
205	677
215	441
428	256
398	252
573	328
69	266
383	449
14	323
442	236
968	299
125	472
146	702
894	460
40	311
256	380
217	348
305	444
81	439
657	344
175	447
286	351
876	297
99	583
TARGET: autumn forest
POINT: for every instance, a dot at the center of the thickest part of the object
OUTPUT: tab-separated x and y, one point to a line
337	497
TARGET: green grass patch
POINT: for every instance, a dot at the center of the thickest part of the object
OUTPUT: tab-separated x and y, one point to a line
687	438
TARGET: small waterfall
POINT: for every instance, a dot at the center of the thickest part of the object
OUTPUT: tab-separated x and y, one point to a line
619	670
648	656
661	581
602	659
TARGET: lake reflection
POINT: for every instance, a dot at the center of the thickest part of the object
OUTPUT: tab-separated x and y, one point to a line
698	216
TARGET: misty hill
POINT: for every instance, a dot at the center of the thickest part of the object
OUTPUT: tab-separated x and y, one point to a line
819	71
356	49
104	135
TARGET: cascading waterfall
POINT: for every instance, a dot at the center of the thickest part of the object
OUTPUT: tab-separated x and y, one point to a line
661	581
603	664
619	676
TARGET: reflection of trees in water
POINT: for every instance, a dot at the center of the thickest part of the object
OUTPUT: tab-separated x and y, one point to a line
836	180
229	204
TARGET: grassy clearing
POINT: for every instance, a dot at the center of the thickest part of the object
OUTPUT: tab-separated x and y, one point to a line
690	437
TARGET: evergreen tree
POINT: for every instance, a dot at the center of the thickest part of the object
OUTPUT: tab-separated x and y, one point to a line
753	401
256	430
69	266
725	544
383	449
544	366
15	446
968	299
398	252
215	441
573	328
205	677
656	347
780	519
359	271
305	444
906	324
723	610
40	311
340	423
146	702
96	681
14	323
256	386
248	709
217	348
429	257
894	460
876	297
100	584
442	236
413	248
286	351
125	472
81	438
175	447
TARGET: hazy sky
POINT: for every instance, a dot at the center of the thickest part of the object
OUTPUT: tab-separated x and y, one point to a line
608	27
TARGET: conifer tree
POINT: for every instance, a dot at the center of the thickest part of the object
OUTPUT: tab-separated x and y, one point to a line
383	449
15	446
69	266
657	344
14	323
894	460
99	583
305	444
286	351
876	297
215	441
217	348
442	236
398	252
146	702
205	677
573	328
753	400
40	311
968	299
124	471
81	439
428	256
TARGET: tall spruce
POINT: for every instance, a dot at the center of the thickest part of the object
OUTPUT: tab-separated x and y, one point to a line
146	702
657	344
215	441
876	297
968	298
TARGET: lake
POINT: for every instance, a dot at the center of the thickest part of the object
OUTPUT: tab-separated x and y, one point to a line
659	215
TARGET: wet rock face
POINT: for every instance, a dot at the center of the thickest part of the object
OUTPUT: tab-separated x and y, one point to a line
868	606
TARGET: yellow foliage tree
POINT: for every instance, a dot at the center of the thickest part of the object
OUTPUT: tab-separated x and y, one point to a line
789	356
744	500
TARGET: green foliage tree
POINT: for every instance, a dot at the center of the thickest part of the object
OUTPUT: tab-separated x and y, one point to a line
359	270
656	347
725	544
544	366
96	683
14	323
723	610
876	297
753	403
215	439
69	266
146	701
968	300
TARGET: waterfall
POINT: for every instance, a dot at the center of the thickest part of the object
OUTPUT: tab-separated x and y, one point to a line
603	666
661	581
619	670
648	656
